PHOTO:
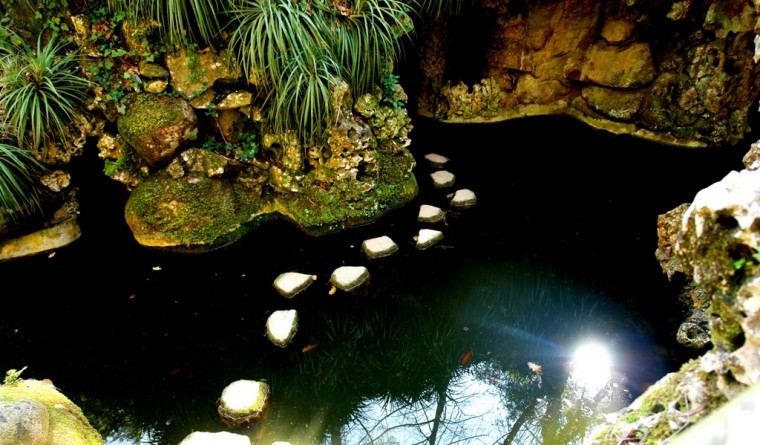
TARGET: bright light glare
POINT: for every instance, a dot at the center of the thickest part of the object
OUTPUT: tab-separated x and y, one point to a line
591	366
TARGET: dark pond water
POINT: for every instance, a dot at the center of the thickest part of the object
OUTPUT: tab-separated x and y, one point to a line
558	252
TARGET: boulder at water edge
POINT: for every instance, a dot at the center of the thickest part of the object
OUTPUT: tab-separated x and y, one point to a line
443	178
427	237
34	412
430	214
463	198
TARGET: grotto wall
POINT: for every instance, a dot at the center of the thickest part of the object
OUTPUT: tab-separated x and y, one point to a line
679	73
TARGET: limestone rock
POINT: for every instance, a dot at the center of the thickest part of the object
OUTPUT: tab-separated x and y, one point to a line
236	99
290	284
616	31
242	402
193	72
197	160
218	438
668	228
718	230
282	326
427	237
152	70
157	126
379	247
616	104
44	240
56	180
430	214
619	67
464	198
443	178
436	160
349	278
751	159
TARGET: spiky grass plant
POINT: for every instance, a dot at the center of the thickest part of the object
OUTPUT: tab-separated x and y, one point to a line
300	50
182	21
41	93
19	193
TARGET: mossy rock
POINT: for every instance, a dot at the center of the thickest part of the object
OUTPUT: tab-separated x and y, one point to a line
193	213
48	417
156	126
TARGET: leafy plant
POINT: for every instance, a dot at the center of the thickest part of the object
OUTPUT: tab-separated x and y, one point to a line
41	91
182	21
12	376
300	50
19	194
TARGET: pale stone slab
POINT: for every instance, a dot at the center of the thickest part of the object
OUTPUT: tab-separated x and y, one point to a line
290	284
427	237
443	178
220	438
436	160
379	247
463	198
243	401
282	326
348	278
430	214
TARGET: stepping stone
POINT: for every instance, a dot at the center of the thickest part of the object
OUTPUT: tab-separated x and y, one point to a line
348	278
427	237
430	214
436	160
242	401
379	247
289	284
282	326
220	438
463	198
443	178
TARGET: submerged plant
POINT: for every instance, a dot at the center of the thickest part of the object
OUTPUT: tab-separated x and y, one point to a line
41	92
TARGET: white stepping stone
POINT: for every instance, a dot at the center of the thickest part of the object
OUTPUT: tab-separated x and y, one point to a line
242	401
443	178
348	278
427	237
379	247
436	160
220	438
282	326
463	198
430	214
290	284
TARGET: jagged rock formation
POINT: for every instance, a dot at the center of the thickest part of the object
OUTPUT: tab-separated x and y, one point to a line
679	72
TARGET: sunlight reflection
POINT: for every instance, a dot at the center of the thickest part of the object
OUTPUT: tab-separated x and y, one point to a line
591	366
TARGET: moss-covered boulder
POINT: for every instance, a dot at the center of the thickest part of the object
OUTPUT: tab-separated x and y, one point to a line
192	213
156	126
34	412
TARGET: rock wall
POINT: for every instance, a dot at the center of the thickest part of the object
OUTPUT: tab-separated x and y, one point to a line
679	73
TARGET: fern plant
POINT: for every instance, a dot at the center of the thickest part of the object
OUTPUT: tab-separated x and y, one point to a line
42	91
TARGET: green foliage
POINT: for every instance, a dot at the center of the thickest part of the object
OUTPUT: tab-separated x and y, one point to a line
388	83
244	148
300	50
746	262
13	375
182	21
41	91
437	8
19	194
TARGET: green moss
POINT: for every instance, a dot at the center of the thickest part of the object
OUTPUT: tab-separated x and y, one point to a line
196	210
68	425
149	112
